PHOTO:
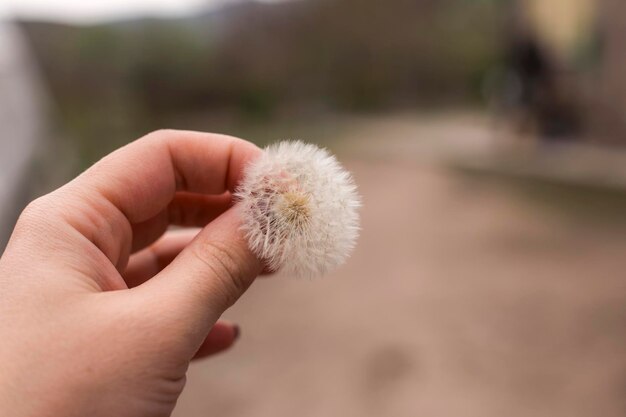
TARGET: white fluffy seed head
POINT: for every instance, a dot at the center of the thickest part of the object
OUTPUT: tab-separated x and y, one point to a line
299	209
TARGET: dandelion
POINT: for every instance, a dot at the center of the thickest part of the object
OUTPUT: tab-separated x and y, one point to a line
299	209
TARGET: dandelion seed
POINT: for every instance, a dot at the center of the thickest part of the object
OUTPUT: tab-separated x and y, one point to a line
299	209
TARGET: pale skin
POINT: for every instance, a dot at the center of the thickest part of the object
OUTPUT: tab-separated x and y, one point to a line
101	308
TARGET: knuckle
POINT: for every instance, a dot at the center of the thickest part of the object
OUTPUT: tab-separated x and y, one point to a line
35	207
225	265
159	134
37	211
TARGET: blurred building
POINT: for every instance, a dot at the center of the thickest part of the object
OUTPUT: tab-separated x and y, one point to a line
565	26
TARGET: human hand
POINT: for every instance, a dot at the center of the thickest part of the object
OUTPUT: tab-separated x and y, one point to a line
96	319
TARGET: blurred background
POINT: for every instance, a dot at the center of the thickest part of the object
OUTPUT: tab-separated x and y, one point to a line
486	136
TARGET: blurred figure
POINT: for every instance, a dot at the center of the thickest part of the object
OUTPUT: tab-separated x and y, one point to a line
533	92
543	106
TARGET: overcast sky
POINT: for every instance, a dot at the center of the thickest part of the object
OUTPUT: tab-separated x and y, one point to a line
91	11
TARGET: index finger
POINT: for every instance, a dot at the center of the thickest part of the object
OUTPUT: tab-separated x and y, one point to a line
142	177
137	181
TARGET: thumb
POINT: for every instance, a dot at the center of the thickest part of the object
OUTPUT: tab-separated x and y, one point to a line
207	277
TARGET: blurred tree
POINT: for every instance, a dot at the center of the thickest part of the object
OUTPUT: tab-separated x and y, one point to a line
259	59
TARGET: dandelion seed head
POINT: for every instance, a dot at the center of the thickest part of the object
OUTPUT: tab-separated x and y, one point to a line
299	209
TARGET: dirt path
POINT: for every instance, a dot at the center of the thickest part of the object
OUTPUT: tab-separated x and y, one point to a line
462	299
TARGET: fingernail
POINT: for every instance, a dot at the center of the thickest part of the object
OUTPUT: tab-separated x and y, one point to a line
236	331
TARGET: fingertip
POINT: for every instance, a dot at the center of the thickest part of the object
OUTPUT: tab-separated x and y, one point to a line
222	337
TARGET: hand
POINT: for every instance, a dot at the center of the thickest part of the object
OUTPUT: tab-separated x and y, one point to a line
96	319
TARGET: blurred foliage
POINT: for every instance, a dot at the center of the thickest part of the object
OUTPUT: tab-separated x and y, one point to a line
259	61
